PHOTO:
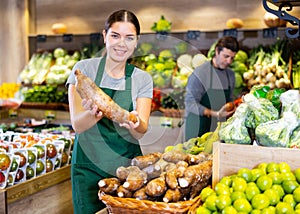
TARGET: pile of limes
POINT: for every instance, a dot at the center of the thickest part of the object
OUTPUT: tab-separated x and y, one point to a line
268	188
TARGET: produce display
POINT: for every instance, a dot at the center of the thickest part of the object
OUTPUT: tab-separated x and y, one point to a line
167	177
26	156
267	188
87	89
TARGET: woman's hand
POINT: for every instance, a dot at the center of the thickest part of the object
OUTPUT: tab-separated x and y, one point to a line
92	108
226	111
130	124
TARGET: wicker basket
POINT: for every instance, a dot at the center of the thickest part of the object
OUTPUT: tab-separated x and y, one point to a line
176	113
117	205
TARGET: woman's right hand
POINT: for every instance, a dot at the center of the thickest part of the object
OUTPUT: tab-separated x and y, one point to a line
92	108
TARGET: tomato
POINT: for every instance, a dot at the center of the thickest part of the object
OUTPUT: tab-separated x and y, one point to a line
31	157
49	165
229	106
19	175
39	167
4	161
22	159
29	172
51	151
14	165
40	151
2	178
64	158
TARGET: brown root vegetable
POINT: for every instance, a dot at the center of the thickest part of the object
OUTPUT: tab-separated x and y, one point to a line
202	156
140	194
197	187
196	173
174	156
87	89
109	185
135	179
146	160
122	173
171	178
172	195
122	192
156	187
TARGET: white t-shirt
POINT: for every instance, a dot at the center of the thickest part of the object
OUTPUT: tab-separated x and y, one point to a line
142	83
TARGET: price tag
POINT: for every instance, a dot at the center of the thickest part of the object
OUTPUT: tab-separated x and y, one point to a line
41	38
193	35
68	37
230	32
270	32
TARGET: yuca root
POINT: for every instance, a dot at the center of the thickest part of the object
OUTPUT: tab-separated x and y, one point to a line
87	89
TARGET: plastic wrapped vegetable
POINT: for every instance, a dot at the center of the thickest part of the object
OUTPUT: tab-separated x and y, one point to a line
291	102
262	111
276	133
274	96
233	130
295	138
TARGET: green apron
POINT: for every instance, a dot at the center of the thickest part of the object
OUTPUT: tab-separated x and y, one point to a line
99	151
214	99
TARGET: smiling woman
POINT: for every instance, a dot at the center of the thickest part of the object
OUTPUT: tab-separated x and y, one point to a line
103	144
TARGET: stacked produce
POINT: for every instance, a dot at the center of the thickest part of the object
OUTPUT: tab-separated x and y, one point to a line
267	188
169	177
25	156
296	69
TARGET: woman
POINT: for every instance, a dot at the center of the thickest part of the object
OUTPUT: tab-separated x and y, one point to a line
209	88
101	146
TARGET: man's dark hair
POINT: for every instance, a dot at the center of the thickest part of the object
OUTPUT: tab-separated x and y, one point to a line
228	42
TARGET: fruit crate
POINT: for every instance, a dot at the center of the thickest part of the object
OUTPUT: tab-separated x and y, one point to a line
229	158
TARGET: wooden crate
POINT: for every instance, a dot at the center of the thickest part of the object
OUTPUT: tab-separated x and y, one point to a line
229	158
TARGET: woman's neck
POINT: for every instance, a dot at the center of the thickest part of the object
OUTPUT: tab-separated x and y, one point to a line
115	70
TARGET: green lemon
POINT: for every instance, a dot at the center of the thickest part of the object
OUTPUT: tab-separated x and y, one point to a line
297	207
210	202
223	201
226	180
284	167
279	189
289	186
289	198
264	182
296	194
242	205
269	210
229	210
272	167
297	174
263	166
288	176
256	173
202	210
284	208
205	192
276	177
239	184
236	195
273	196
222	189
251	191
260	201
246	174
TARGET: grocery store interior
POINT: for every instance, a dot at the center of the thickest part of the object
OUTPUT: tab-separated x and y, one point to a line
35	33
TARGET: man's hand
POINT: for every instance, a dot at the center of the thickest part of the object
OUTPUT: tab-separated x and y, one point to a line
130	124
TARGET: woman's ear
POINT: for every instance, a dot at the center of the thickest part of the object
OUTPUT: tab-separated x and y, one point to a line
104	36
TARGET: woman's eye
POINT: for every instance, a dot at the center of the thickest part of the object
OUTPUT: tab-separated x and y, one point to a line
115	36
130	38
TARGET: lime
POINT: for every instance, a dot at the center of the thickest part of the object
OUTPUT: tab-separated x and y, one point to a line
256	173
284	208
269	210
260	201
264	182
239	184
297	174
246	174
273	196
289	186
236	195
205	192
279	189
210	202
263	166
272	167
284	167
288	176
223	201
242	205
276	177
229	210
226	180
222	189
296	194
255	212
251	191
289	198
202	210
297	207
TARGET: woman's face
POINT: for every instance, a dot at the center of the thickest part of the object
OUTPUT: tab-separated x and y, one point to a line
224	58
120	40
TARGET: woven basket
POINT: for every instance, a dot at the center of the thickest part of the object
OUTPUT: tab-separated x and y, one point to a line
176	113
117	205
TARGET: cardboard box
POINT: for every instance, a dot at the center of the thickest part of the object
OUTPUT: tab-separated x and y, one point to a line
229	158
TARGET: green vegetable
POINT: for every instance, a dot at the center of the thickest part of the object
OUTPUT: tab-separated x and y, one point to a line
274	97
295	138
239	67
239	82
260	91
241	56
59	52
181	47
162	25
211	51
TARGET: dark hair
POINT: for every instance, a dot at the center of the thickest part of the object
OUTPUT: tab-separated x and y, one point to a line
122	16
228	42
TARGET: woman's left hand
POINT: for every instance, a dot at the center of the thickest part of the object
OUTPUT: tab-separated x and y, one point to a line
130	124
